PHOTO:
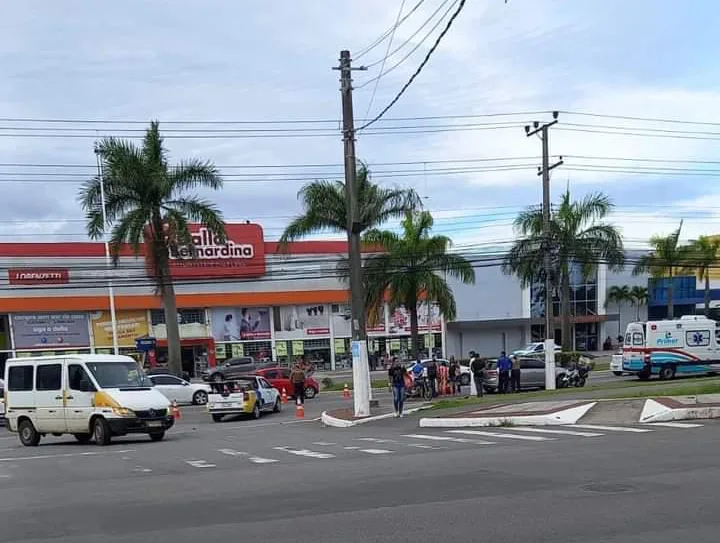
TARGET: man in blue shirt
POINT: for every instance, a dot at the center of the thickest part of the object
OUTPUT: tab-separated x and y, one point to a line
504	365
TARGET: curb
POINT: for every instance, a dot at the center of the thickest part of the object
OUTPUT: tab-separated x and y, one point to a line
564	417
654	411
334	422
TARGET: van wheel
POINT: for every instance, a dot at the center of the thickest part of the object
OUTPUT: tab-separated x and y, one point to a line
29	436
157	436
667	373
101	432
82	438
217	417
617	373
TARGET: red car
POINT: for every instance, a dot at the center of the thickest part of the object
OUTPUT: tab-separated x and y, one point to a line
279	378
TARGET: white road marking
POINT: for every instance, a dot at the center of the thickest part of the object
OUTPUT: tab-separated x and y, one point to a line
453	439
65	455
558	432
305	452
199	464
351	448
612	428
500	434
375	451
675	424
260	460
253	459
375	440
324	443
232	452
421	446
142	470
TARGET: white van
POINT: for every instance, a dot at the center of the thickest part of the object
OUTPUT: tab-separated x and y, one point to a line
88	396
689	345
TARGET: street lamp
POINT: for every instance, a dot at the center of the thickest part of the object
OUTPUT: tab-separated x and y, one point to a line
108	260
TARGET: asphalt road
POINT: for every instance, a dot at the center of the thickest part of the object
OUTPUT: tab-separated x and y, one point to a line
281	480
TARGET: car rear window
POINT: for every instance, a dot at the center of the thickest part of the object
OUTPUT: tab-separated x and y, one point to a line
492	364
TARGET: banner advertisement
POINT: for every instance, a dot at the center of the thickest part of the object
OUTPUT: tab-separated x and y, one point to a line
429	319
298	347
340	346
237	350
281	348
220	351
39	330
342	321
130	326
301	321
240	323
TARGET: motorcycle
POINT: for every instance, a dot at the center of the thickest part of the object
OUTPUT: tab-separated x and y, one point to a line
575	377
420	389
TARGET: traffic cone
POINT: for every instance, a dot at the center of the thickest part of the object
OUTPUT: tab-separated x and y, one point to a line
175	410
284	396
299	410
346	392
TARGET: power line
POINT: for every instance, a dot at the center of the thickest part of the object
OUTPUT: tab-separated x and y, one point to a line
388	32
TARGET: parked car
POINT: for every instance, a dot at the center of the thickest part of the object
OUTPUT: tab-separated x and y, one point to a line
464	370
532	374
535	348
249	395
232	368
180	390
280	379
163	370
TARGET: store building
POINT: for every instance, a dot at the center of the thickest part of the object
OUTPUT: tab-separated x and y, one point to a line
246	297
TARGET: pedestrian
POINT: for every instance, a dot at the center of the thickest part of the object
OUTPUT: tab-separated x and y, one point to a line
453	373
444	377
477	368
396	376
515	374
504	365
297	378
432	373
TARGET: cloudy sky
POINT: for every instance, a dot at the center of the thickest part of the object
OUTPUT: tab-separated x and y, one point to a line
224	78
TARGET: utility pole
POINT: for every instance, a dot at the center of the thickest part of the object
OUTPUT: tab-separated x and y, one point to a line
361	370
545	172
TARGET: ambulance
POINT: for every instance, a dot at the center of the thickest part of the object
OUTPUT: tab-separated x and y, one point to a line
689	345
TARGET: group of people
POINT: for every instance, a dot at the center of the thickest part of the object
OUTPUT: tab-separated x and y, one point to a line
508	369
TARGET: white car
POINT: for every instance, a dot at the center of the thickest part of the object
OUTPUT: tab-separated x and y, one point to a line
174	388
534	348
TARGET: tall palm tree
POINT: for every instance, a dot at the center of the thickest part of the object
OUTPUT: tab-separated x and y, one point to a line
639	298
577	236
702	257
666	257
618	295
414	264
325	209
147	201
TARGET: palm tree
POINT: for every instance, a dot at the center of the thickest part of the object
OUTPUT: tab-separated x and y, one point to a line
146	201
577	236
325	209
639	298
618	295
703	256
666	257
414	264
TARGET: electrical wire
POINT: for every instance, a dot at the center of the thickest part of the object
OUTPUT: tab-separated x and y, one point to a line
388	32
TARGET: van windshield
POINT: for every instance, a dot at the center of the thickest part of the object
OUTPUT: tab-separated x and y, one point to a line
118	374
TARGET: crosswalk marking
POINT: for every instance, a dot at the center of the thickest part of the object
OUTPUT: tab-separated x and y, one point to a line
353	448
612	428
232	452
675	424
452	439
324	443
261	460
200	464
375	440
428	447
305	452
500	434
558	432
375	451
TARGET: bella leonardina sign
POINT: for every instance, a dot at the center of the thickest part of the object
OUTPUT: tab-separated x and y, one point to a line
242	255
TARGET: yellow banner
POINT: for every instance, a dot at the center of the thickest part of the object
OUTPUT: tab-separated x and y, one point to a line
340	346
130	326
281	348
238	350
298	347
394	344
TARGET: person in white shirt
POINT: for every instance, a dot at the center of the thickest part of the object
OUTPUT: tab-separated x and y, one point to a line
231	332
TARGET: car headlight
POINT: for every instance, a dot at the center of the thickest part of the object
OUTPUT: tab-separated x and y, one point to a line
123	412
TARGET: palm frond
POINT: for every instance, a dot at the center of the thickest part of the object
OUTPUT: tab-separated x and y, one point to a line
192	174
198	210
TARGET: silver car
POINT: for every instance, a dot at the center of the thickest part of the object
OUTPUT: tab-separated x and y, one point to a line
532	374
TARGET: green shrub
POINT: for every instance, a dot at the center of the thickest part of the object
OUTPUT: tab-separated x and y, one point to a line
327	382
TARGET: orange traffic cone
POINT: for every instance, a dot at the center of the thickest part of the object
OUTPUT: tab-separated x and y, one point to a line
346	392
175	410
299	410
284	396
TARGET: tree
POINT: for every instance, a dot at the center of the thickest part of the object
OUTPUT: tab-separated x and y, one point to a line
666	257
702	256
325	209
414	264
146	202
639	298
577	236
619	295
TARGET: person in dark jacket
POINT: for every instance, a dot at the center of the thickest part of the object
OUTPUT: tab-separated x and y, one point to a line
477	368
432	373
297	378
396	376
454	376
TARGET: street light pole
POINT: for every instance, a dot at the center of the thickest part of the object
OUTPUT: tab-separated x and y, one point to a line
108	260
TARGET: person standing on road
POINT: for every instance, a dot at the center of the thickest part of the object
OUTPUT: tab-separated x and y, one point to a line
515	374
443	377
504	365
297	378
396	376
453	374
432	373
477	367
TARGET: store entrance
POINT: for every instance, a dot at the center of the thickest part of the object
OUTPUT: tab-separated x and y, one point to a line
194	359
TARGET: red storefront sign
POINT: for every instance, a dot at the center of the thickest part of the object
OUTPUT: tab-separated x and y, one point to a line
241	255
38	276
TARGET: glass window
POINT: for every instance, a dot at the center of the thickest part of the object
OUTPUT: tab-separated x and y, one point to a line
185	316
48	377
591	292
272	374
117	374
265	384
580	293
528	364
20	378
77	375
165	380
638	339
628	339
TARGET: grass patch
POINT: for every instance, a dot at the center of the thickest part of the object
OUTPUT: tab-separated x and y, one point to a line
601	366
